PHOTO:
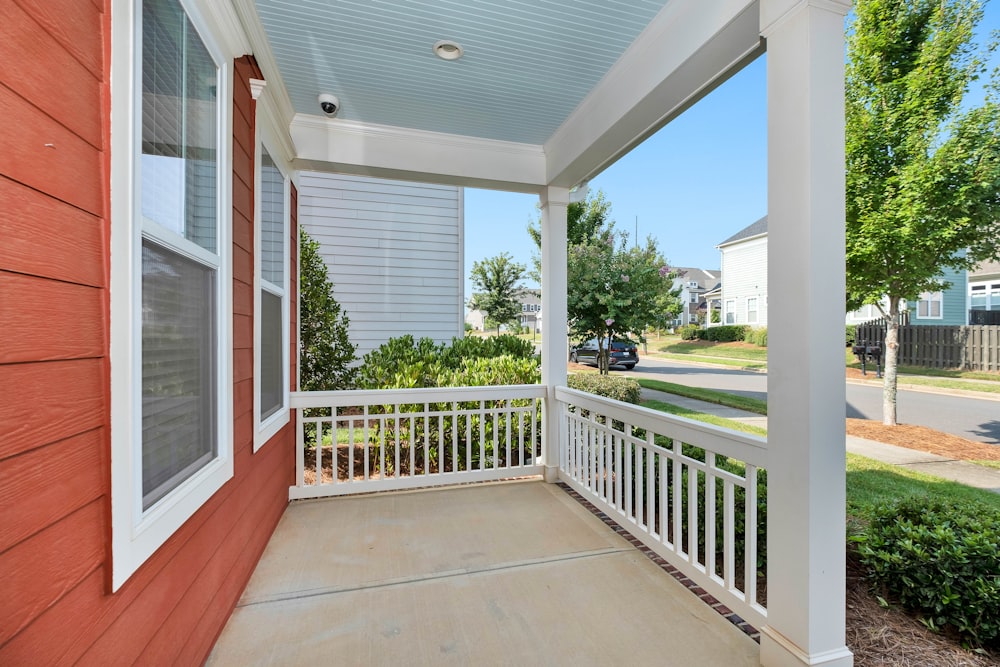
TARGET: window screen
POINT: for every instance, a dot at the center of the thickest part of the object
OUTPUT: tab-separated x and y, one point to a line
178	369
271	382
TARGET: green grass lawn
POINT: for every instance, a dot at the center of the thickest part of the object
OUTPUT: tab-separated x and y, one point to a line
711	349
677	410
871	483
989	464
707	395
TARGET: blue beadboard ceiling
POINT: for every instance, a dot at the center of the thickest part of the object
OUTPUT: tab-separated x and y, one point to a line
527	64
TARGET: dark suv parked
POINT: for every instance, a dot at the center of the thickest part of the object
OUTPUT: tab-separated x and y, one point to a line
623	353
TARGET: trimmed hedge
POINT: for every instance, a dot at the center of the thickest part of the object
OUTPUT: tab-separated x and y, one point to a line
940	559
609	386
727	333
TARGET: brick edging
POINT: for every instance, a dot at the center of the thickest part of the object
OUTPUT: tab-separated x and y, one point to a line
702	594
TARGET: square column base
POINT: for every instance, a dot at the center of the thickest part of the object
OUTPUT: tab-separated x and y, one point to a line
777	651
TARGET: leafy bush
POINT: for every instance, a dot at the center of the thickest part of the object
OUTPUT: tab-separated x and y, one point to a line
727	333
405	363
756	336
609	386
689	332
850	335
940	559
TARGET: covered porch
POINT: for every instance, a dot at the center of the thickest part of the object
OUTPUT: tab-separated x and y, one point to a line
687	492
502	573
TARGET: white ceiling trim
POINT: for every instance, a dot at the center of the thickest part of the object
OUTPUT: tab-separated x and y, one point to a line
278	101
688	49
392	152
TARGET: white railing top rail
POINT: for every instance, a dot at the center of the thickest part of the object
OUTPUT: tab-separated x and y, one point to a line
328	399
741	446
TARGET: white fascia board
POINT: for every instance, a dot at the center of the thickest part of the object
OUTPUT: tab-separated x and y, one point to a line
746	241
366	149
688	49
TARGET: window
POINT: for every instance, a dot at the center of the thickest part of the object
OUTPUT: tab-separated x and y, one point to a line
271	324
170	378
730	311
929	305
752	310
984	296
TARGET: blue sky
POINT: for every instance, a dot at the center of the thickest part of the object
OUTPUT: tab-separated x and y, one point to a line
694	183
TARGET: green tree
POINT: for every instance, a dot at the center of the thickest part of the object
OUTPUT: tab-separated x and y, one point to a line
923	171
497	281
585	221
326	354
615	289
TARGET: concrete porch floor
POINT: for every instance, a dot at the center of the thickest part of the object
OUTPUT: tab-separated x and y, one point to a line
514	573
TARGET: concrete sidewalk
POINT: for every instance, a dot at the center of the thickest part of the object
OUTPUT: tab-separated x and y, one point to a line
954	470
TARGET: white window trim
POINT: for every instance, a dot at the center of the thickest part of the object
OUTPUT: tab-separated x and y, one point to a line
729	308
927	296
137	534
755	311
266	429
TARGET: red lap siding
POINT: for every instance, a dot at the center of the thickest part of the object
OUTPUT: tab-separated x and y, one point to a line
55	439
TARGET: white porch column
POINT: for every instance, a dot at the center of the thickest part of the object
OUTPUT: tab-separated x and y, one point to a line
806	393
555	345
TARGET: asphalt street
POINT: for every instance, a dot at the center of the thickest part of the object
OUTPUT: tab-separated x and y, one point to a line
972	418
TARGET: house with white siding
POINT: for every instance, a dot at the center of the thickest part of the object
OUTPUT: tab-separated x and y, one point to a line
694	284
744	276
393	250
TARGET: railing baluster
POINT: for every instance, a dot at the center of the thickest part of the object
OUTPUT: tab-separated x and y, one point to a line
367	442
750	534
710	513
676	498
664	504
639	479
729	538
650	485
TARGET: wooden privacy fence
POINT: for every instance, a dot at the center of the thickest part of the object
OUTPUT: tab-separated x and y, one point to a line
975	348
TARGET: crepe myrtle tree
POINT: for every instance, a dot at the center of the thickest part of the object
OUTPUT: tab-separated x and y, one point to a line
615	289
923	169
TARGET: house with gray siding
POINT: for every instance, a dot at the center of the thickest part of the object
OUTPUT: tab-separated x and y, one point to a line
693	285
744	276
394	251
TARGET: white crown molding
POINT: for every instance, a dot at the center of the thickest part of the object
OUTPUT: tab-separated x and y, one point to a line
229	30
690	47
341	146
391	132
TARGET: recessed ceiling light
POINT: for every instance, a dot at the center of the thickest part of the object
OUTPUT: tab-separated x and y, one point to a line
448	50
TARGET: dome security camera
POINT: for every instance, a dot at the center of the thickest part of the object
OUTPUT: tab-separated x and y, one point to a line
329	104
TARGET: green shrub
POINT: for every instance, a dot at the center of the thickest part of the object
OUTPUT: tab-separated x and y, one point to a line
756	336
727	333
405	363
609	386
850	335
689	332
940	559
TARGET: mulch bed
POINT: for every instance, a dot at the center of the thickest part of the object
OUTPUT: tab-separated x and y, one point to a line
923	439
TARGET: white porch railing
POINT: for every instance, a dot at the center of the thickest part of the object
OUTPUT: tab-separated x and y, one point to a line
687	490
363	441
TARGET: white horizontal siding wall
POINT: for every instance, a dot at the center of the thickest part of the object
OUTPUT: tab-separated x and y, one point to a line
744	275
394	253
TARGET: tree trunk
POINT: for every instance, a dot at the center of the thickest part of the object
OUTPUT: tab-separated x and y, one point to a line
890	356
602	357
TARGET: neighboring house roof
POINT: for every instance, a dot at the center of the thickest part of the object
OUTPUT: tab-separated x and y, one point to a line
704	277
985	271
758	228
